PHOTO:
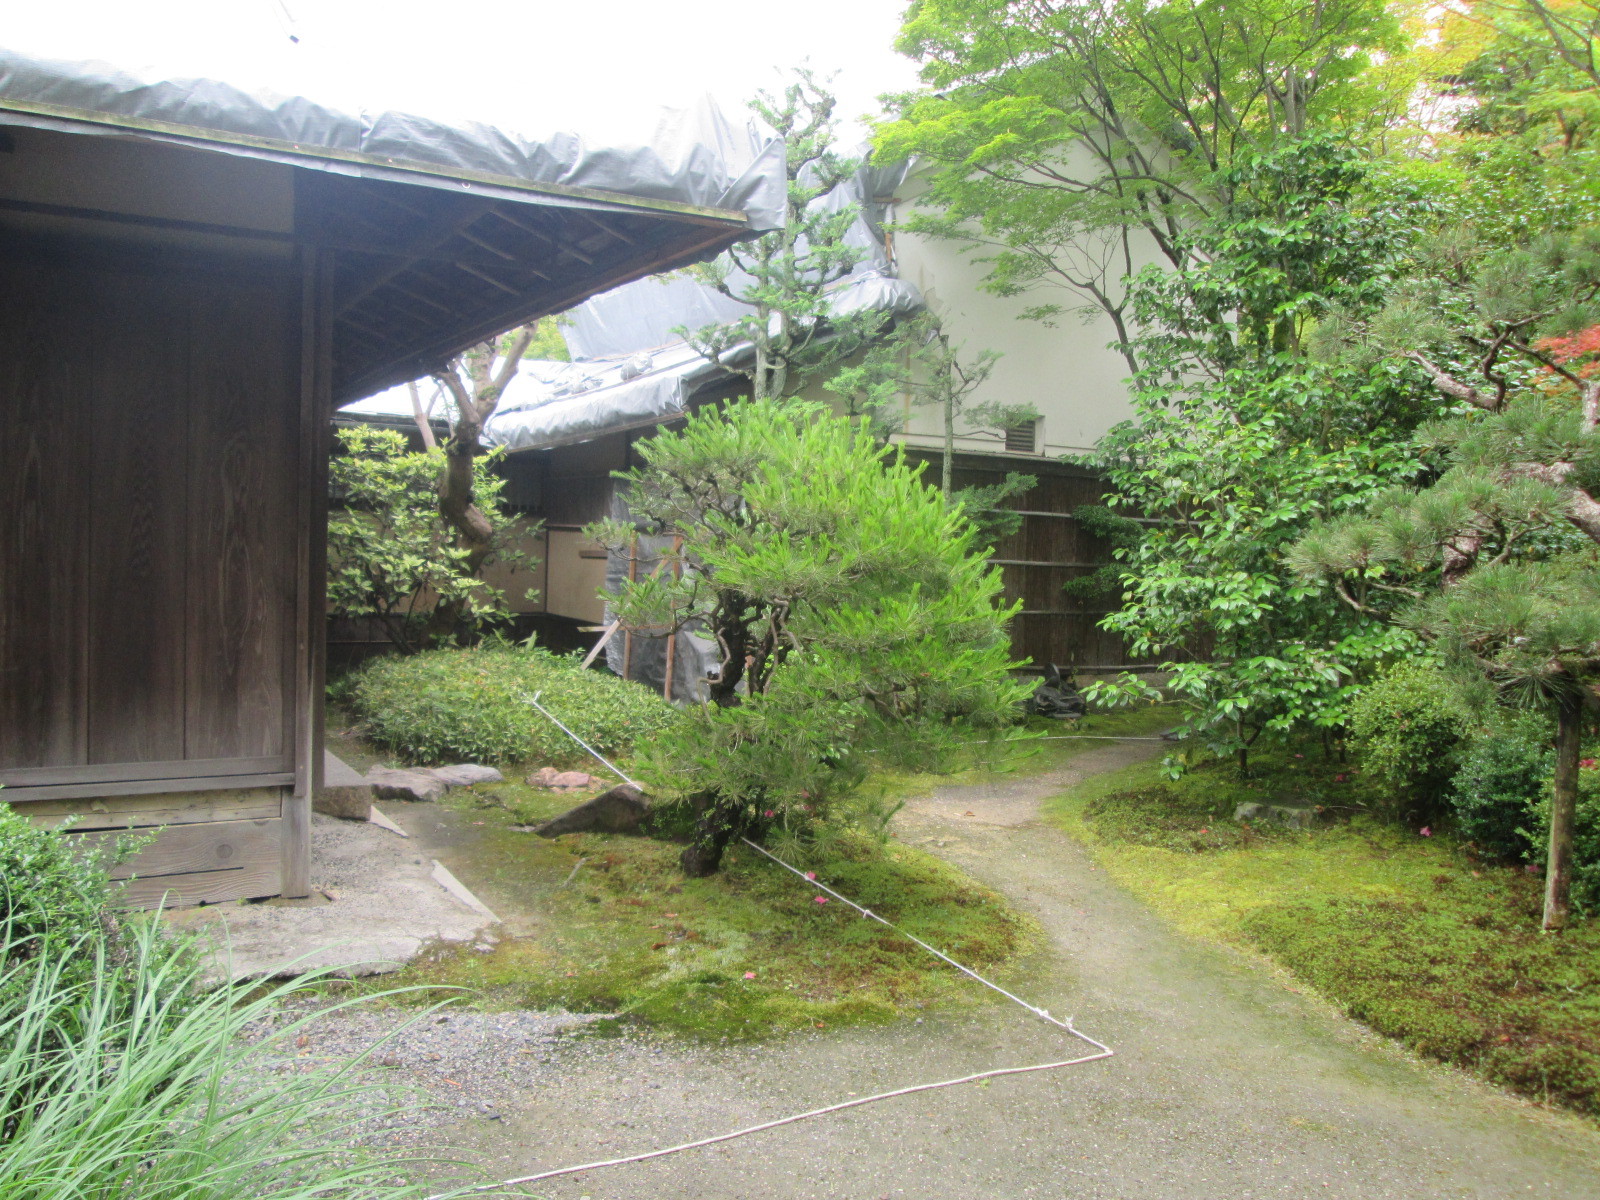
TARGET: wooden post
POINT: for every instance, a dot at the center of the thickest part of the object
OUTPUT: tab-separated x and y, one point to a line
672	634
627	634
311	512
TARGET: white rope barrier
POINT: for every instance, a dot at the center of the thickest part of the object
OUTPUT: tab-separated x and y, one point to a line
1101	1050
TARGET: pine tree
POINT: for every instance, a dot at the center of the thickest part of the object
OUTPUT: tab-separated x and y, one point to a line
1497	561
785	277
854	612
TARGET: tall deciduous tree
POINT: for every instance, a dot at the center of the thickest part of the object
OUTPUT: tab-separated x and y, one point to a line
1067	141
1241	439
475	381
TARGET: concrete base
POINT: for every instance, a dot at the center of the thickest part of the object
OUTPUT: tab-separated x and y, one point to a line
375	903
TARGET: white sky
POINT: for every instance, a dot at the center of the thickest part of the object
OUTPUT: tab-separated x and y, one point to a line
599	67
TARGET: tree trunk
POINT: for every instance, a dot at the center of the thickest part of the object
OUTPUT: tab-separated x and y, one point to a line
719	823
1563	812
947	466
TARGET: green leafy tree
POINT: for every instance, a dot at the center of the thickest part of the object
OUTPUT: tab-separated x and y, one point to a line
1066	141
1241	439
784	277
853	611
391	556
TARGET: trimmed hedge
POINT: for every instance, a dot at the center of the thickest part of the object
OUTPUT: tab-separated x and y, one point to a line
470	705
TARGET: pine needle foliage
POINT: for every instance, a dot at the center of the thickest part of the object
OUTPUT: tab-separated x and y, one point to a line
853	610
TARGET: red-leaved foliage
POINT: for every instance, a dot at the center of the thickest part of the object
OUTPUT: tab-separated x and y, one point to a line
1581	348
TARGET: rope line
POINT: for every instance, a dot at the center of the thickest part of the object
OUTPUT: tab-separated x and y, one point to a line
1102	1051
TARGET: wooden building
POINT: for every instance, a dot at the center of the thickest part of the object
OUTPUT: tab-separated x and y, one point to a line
184	301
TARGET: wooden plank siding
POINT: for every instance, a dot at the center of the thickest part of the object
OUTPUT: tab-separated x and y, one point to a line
44	718
1049	549
155	550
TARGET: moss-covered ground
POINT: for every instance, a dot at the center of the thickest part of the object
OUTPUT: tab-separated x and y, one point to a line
616	927
1410	933
748	952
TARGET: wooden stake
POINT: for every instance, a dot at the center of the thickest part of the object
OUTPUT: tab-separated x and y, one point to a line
672	634
627	634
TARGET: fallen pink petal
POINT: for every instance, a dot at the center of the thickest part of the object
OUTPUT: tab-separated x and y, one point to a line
811	874
822	899
749	974
1426	831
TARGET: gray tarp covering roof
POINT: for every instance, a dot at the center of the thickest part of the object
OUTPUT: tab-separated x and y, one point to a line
634	371
697	160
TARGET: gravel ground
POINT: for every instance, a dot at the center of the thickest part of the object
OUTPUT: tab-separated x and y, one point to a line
1226	1083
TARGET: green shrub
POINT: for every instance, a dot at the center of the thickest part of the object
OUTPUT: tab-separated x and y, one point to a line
49	896
1409	727
56	907
1503	773
472	705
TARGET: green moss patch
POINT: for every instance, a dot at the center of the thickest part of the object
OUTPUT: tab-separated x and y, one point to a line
1462	975
746	953
1412	934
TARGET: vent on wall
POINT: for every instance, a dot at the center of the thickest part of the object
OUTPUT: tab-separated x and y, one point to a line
1023	438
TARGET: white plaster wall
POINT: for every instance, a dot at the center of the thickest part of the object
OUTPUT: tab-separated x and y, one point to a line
1066	371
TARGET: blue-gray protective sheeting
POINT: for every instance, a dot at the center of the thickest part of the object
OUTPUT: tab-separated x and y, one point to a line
697	157
642	315
645	388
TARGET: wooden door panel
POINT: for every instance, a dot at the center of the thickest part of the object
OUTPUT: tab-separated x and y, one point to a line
242	516
43	717
138	434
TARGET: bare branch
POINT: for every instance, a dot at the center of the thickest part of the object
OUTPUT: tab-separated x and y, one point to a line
1450	385
424	426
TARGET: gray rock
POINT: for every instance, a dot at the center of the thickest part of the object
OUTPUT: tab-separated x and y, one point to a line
465	775
1290	816
352	803
389	783
618	811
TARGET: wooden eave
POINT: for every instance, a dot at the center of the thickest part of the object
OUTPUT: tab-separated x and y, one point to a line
428	260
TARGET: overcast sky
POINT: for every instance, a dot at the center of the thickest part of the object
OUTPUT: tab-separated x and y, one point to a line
601	67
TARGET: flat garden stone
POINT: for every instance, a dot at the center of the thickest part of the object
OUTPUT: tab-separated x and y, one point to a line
465	775
392	783
618	811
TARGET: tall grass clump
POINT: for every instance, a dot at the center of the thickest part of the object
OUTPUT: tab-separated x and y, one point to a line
121	1075
471	704
130	1081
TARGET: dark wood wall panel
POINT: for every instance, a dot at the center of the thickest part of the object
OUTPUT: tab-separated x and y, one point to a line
1049	548
43	711
242	520
138	439
150	418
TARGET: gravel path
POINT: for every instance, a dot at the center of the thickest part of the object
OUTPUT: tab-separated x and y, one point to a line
1226	1084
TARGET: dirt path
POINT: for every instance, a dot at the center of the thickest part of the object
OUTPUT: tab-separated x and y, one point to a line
1226	1085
